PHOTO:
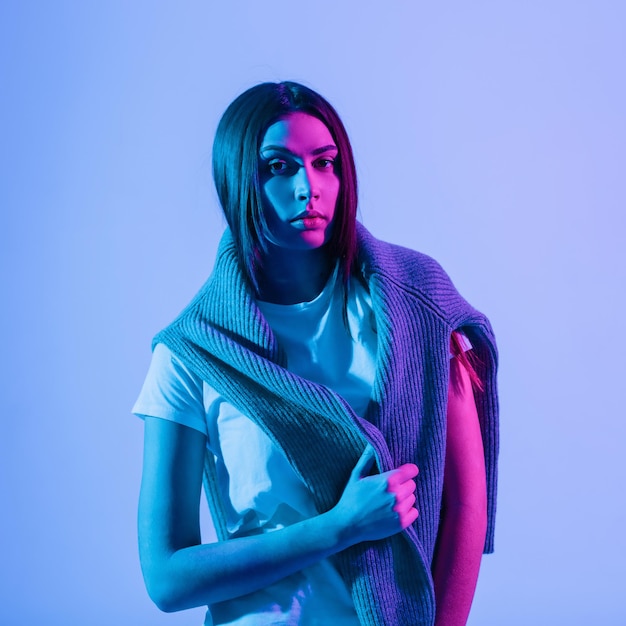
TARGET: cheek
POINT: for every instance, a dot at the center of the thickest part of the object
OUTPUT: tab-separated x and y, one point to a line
275	196
332	190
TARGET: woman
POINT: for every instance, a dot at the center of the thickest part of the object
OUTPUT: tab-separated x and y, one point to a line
305	383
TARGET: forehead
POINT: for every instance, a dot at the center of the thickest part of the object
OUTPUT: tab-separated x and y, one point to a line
298	133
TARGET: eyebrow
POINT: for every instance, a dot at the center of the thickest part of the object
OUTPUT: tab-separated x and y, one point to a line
329	148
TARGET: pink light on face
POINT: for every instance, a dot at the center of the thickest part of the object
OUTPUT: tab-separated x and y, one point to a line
299	181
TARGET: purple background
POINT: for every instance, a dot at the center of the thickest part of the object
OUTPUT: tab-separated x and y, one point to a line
490	135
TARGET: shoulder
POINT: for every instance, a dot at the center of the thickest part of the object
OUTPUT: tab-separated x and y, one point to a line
405	264
171	391
167	367
412	273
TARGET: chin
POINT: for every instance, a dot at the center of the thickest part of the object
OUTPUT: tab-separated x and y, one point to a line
312	240
301	241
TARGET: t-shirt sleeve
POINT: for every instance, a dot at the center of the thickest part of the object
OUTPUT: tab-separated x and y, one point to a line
172	392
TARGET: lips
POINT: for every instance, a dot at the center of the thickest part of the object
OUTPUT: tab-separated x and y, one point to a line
308	215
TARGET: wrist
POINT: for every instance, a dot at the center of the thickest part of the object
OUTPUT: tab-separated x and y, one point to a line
333	527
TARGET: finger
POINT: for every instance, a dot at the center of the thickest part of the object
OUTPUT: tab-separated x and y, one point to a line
404	490
402	474
364	464
402	506
406	519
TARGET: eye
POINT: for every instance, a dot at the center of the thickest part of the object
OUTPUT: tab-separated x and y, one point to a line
277	166
325	163
280	167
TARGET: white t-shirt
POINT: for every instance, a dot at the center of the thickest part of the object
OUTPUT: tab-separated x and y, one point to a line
259	489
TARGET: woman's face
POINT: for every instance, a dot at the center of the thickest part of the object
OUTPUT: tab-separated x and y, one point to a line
299	181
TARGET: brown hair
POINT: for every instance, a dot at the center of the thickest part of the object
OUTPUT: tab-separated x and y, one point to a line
467	358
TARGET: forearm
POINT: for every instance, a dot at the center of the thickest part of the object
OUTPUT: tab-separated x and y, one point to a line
457	562
181	573
208	573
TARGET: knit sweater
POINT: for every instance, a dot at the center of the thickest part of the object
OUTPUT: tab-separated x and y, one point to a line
223	337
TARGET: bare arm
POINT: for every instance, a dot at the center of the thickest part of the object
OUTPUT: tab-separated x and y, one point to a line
180	572
464	516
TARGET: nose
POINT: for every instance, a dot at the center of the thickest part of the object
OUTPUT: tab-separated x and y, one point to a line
305	187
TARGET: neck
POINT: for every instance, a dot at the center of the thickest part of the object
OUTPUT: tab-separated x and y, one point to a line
289	277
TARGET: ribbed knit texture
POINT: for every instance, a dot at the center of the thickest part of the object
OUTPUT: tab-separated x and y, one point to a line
223	337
